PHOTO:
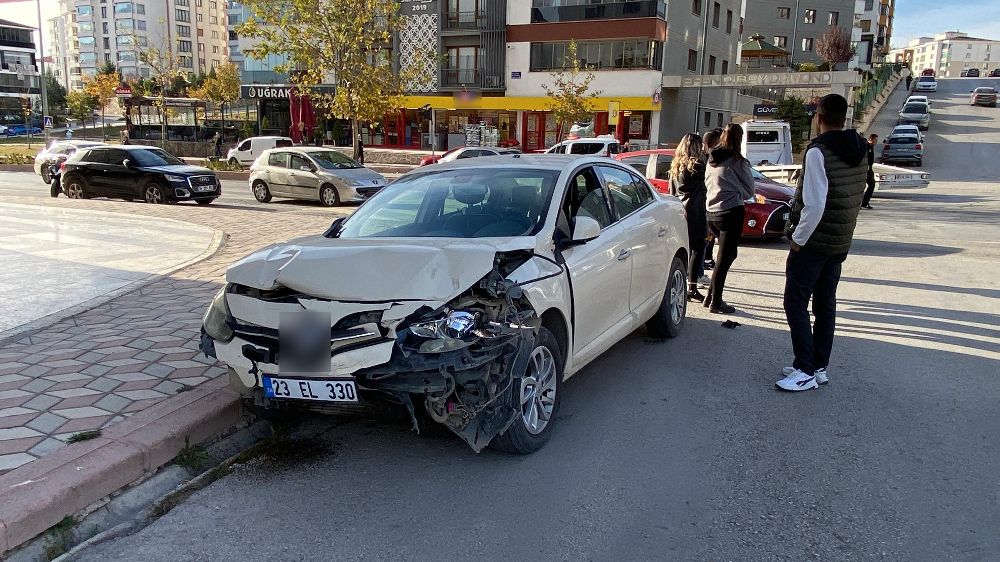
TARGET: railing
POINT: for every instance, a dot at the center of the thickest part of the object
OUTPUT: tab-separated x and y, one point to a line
471	78
465	20
872	87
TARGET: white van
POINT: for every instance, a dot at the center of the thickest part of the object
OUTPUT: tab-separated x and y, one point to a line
605	145
247	151
767	142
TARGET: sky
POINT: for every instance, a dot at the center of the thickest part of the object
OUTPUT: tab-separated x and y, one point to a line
914	18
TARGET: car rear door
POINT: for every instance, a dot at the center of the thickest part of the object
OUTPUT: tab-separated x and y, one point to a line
120	181
277	173
302	179
92	169
600	270
631	202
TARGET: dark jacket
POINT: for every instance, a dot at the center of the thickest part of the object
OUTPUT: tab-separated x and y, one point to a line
728	180
689	186
871	162
844	155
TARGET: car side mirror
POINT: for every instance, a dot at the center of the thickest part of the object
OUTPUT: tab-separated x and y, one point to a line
127	163
306	168
585	229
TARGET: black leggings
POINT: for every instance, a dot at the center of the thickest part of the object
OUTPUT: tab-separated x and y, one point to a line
728	229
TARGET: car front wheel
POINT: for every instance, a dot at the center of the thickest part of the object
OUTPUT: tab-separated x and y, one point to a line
153	193
74	188
328	196
535	396
46	176
669	318
261	192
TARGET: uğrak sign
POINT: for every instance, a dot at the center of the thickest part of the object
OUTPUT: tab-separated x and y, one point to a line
765	79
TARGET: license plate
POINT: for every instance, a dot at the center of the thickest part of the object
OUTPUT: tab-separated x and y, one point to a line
325	390
203	188
784	217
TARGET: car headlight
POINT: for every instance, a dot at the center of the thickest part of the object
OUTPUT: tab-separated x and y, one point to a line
925	176
214	321
455	330
175	179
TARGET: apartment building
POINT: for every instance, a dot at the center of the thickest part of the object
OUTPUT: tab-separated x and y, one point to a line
92	33
796	25
949	53
19	73
872	31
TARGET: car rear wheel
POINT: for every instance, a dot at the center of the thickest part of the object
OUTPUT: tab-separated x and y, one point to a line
535	396
261	192
328	196
669	318
154	193
235	164
46	176
74	188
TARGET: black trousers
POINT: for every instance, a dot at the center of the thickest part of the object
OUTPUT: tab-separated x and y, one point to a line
811	274
728	229
697	226
869	190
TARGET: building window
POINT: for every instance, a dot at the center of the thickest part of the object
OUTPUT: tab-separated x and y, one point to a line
692	60
140	25
215	49
184	30
198	17
807	44
107	57
86	41
84	10
780	41
718	123
184	46
104	27
104	11
716	13
215	34
809	17
233	36
834	18
869	5
201	47
213	20
213	5
784	13
140	9
866	26
708	119
711	64
182	2
600	55
696	7
123	8
144	72
182	15
729	21
725	67
107	43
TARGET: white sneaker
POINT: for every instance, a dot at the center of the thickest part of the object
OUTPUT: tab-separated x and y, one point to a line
797	381
820	374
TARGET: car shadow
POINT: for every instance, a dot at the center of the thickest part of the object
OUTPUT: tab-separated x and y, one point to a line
889	249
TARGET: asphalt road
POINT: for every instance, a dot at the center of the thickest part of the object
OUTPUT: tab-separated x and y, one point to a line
28	184
683	450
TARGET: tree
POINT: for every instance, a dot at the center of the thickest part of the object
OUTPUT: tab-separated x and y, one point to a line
80	104
108	68
835	47
221	86
102	89
793	111
164	67
571	100
54	91
346	42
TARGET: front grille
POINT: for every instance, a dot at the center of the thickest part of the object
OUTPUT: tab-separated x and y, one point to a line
368	191
202	181
776	222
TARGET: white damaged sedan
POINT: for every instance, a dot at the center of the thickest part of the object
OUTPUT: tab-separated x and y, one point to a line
464	294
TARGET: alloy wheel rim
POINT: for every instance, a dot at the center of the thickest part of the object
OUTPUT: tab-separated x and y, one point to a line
153	195
538	390
678	297
73	190
328	197
259	192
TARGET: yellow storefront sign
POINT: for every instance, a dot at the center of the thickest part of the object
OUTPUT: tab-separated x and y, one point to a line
510	103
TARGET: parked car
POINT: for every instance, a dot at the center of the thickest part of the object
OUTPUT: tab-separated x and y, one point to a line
963	74
767	142
136	172
765	214
428	160
18	130
464	293
927	72
918	99
312	173
995	73
902	149
914	113
468	152
3	129
603	146
972	73
926	84
248	150
57	153
907	130
984	96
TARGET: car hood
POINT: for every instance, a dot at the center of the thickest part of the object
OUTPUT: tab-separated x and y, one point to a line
774	190
354	175
180	169
374	269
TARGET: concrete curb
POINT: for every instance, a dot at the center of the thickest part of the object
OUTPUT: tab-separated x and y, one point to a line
872	114
214	246
40	494
16	167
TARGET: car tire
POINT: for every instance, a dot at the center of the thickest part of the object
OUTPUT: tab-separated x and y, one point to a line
75	188
204	201
154	193
54	190
234	163
46	176
539	387
329	196
261	192
669	317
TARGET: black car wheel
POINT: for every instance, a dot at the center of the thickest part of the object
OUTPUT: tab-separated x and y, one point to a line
328	196
46	176
154	193
74	188
261	192
669	318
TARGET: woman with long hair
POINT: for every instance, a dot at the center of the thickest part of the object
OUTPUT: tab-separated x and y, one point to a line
687	181
729	182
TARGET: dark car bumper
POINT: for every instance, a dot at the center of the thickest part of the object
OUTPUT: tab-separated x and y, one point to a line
765	220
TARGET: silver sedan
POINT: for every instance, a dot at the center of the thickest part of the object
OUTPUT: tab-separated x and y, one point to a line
312	173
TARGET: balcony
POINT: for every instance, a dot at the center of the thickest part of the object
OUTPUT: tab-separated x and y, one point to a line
474	78
600	11
458	21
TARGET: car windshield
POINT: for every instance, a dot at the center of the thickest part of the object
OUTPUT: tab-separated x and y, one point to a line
333	160
985	91
154	157
926	79
757	175
915	108
466	203
903	140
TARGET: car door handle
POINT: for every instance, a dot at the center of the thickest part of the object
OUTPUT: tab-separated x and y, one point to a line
624	254
661	232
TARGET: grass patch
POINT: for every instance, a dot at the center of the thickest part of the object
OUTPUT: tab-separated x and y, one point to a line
222	166
84	436
194	458
60	538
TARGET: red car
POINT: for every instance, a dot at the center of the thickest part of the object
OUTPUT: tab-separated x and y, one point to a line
765	217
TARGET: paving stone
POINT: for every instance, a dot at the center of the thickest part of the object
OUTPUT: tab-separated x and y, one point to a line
66	377
15	411
96	370
38	385
4	379
34	371
78	401
168	387
17	421
139	385
18	445
10	462
13	393
129	377
112	403
17	433
41	402
90	357
158	370
71	392
47	422
145	394
103	384
84	424
192	381
46	446
77	413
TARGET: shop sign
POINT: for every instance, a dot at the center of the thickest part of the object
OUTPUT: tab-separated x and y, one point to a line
613	108
516	75
265	92
417	7
762	110
123	91
764	79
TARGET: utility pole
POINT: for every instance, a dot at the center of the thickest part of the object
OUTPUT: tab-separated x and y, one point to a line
41	64
701	66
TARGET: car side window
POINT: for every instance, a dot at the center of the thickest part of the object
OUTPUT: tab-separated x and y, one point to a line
115	157
278	159
585	148
585	197
614	148
283	143
468	154
627	192
637	162
96	155
245	145
297	162
663	166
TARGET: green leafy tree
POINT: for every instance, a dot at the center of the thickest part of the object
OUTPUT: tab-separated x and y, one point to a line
102	89
571	98
221	87
343	42
808	67
165	67
80	104
793	110
108	68
54	91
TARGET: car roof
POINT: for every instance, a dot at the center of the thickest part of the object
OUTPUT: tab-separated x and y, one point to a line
986	89
275	137
657	151
589	139
555	162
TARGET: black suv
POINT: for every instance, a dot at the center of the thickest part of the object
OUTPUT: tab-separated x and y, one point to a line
137	172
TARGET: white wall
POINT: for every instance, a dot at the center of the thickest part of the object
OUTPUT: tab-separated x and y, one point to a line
610	83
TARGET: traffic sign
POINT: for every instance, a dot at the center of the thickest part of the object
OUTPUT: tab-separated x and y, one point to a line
48	121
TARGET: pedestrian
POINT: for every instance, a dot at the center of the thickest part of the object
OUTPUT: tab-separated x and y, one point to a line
69	132
687	181
218	145
821	226
909	80
870	182
729	182
710	139
361	152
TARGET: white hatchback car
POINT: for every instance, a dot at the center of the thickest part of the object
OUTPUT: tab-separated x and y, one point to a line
598	146
465	293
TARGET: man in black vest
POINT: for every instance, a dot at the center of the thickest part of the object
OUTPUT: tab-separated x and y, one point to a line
821	227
